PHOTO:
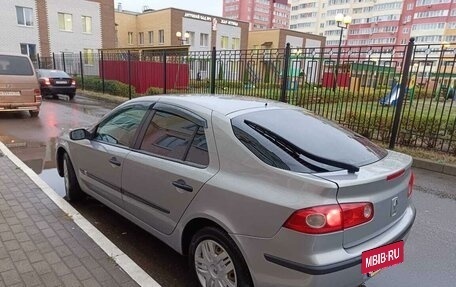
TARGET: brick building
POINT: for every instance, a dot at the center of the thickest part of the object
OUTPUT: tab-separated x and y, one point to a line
54	26
261	14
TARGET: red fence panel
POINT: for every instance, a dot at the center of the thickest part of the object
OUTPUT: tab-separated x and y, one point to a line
148	74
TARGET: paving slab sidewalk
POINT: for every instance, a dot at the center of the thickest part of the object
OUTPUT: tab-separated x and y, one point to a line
45	242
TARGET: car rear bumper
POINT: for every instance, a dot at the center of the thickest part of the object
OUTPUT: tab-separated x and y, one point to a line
35	106
58	90
287	260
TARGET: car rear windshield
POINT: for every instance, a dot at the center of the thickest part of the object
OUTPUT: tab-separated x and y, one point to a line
52	74
15	66
299	141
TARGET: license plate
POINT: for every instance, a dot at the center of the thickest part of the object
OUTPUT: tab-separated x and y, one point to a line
382	257
61	82
10	94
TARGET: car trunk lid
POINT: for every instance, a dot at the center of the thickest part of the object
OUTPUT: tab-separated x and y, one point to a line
384	184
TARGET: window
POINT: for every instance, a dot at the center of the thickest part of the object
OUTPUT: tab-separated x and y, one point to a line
175	137
130	38
88	57
65	22
141	38
151	37
236	43
29	50
15	65
224	42
310	134
121	128
86	24
161	36
191	38
204	40
24	16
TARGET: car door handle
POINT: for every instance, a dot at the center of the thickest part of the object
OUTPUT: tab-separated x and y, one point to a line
114	161
182	185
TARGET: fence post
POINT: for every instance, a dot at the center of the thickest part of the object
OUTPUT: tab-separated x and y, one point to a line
102	73
129	74
53	60
38	61
81	65
402	92
63	60
213	68
286	65
164	72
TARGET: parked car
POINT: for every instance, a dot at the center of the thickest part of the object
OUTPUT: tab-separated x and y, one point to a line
255	192
19	89
54	82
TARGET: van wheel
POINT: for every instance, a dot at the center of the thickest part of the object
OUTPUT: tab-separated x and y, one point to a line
215	260
73	191
34	114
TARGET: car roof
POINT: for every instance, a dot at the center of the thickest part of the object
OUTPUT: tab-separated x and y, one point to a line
224	104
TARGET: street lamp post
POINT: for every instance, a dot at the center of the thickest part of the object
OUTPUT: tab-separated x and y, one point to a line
182	38
343	21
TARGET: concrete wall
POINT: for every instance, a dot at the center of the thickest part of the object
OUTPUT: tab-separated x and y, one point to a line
12	34
198	27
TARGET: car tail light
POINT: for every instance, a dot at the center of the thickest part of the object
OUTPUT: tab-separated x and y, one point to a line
37	94
330	218
46	81
411	184
73	82
395	175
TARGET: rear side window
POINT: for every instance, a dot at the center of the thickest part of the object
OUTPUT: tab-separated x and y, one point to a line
175	137
15	66
53	74
302	131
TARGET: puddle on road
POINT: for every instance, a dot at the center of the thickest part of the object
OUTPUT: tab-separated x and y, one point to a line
40	157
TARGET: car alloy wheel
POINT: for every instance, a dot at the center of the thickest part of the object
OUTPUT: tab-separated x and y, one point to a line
214	266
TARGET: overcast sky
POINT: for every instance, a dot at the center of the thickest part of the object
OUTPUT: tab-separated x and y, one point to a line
211	7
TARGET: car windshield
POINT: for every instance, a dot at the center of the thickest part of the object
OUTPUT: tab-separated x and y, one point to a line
15	66
297	140
52	74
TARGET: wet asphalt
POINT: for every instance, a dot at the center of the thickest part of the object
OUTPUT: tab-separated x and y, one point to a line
430	252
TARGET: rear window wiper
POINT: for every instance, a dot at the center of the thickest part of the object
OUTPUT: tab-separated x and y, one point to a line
296	151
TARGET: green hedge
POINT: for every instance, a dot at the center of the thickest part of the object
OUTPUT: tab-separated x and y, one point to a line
116	88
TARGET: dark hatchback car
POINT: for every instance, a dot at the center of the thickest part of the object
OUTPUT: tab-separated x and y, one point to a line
54	82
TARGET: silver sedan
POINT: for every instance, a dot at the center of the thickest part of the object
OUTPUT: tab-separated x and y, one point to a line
254	192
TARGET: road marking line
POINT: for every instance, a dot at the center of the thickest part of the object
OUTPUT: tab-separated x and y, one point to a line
125	262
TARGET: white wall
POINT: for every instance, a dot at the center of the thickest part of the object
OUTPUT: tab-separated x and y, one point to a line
198	27
76	40
12	34
295	42
227	30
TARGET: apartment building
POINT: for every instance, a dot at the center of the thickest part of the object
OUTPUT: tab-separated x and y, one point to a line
261	14
377	22
155	28
54	26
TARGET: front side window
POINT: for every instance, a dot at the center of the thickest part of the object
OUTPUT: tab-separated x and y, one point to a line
24	16
293	147
121	128
86	24
175	137
65	22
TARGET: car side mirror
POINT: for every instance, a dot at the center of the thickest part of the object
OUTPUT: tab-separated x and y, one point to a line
80	134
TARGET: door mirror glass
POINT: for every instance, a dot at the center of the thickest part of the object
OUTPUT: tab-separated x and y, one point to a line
79	134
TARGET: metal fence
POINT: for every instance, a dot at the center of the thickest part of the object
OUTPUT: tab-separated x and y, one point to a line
394	94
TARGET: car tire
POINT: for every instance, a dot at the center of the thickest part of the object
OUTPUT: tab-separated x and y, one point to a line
55	96
215	242
34	114
71	96
73	191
